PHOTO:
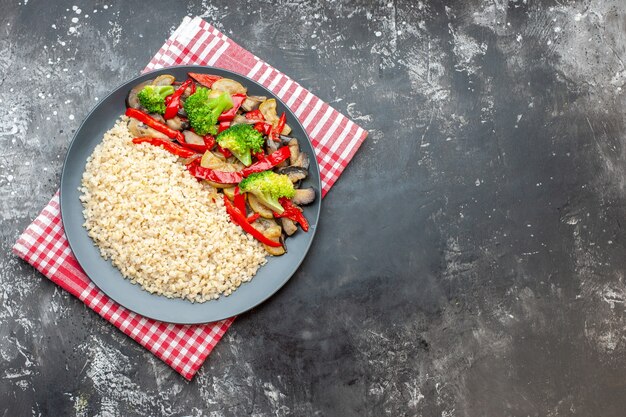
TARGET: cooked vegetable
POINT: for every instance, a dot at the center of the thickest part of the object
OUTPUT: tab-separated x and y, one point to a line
292	212
165	79
152	97
304	196
138	129
241	140
203	111
268	187
173	102
221	177
289	226
206	80
252	103
268	108
294	173
229	115
132	100
168	145
229	86
267	162
156	125
259	208
239	218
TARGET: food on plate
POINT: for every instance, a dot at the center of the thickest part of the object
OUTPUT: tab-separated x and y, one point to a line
194	186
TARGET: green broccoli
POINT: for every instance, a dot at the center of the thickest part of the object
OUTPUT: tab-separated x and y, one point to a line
268	187
152	97
203	110
240	140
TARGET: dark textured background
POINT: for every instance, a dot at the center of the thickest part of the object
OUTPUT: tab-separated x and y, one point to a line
469	262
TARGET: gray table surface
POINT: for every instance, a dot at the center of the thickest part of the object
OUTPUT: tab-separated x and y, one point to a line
469	262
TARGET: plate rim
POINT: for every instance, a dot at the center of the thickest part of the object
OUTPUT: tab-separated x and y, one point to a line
65	216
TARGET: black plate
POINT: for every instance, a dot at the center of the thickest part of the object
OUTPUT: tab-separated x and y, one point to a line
268	279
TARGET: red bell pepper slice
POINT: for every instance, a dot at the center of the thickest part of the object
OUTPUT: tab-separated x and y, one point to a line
169	146
223	126
221	177
206	80
229	114
263	127
268	162
255	115
193	146
239	200
173	101
155	124
279	127
240	219
253	217
209	141
224	151
293	213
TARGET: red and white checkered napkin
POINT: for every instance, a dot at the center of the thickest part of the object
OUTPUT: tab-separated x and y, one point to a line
185	348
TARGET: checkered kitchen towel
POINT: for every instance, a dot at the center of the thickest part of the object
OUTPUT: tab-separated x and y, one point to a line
185	348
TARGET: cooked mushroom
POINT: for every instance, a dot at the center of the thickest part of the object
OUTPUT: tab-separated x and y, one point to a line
229	192
268	109
302	161
228	85
271	146
177	123
259	207
138	129
294	148
294	173
239	119
182	112
304	196
289	226
252	102
132	100
193	138
157	117
164	79
286	129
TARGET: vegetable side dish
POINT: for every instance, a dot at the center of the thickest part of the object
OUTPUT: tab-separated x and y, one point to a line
235	142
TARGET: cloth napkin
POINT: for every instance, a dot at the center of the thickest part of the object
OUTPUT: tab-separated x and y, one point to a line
185	347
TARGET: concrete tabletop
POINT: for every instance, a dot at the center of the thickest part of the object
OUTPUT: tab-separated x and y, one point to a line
469	262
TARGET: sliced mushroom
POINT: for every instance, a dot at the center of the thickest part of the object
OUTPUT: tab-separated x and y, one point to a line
252	102
271	146
302	161
177	123
138	129
239	119
157	117
182	112
228	85
192	138
132	100
289	226
304	196
294	148
268	109
259	207
286	130
294	173
164	79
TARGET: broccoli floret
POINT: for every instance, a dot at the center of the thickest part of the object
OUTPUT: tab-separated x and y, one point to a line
152	97
268	187
203	111
240	140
